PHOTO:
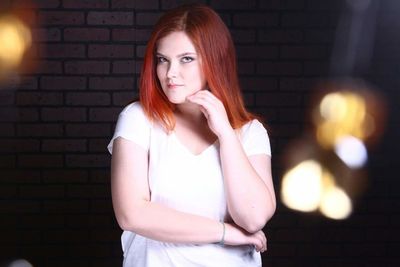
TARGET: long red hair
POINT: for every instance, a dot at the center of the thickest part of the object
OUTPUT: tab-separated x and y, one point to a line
214	44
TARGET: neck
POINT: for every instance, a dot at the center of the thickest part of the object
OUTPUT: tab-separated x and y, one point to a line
189	111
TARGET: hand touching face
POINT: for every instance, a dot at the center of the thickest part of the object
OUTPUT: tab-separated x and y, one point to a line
179	67
214	110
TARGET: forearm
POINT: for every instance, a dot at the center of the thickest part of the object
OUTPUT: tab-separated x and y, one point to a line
158	222
250	202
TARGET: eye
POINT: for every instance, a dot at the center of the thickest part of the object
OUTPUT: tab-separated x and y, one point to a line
187	59
161	59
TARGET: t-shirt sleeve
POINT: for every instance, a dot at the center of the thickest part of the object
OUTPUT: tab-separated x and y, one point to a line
255	139
132	125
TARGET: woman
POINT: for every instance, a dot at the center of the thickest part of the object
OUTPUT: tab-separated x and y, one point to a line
191	176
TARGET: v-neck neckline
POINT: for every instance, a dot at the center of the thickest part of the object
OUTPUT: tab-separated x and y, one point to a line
188	151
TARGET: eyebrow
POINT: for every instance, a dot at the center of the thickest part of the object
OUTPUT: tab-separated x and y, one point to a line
180	55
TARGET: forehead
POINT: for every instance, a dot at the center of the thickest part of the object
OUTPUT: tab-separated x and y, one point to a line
175	43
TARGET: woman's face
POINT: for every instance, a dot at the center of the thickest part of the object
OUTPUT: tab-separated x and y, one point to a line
179	67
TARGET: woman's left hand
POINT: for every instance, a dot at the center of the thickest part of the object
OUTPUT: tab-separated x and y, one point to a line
213	110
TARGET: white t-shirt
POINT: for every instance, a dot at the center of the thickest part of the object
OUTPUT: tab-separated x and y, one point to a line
189	183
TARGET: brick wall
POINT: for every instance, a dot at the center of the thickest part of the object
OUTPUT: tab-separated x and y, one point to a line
55	204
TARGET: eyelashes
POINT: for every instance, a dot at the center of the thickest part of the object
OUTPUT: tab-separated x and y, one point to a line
185	59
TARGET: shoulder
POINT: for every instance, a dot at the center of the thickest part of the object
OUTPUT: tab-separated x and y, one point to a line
253	127
133	108
135	112
255	139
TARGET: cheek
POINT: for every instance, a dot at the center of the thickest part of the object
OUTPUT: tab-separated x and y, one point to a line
159	73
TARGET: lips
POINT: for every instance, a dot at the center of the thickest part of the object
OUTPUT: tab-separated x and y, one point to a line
173	85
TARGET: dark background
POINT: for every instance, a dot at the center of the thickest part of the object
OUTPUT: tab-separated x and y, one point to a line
55	206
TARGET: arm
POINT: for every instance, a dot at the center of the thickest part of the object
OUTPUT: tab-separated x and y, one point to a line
135	212
248	182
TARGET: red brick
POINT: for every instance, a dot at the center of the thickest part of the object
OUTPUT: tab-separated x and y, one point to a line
40	161
66	236
87	67
280	68
100	176
28	83
85	4
131	35
40	130
88	160
7	129
34	99
103	114
88	221
140	50
96	251
243	36
64	145
8	161
20	206
319	36
28	114
86	34
8	114
66	206
88	99
20	176
46	34
316	68
45	67
123	4
280	36
62	82
302	19
63	114
111	51
98	145
19	145
148	4
7	191
227	4
112	83
88	191
110	18
283	4
125	67
259	20
62	51
88	130
258	84
122	99
38	220
42	191
278	99
297	84
102	206
304	52
147	18
65	176
61	18
38	4
315	4
257	52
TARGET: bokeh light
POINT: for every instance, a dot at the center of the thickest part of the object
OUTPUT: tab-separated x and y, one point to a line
15	39
302	186
325	170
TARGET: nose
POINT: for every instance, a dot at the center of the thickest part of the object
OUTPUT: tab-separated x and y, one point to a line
172	71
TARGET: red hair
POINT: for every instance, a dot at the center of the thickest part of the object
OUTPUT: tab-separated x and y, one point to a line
214	44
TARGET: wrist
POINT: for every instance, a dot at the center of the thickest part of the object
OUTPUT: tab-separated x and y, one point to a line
227	135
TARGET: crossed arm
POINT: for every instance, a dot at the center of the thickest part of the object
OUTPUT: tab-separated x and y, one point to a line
248	186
